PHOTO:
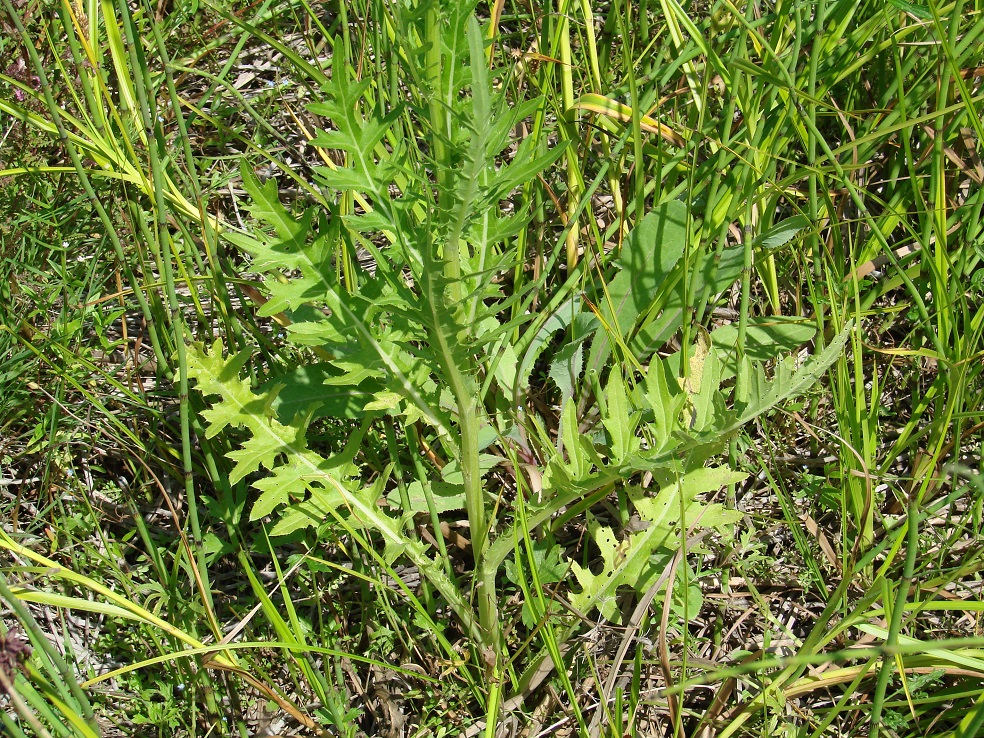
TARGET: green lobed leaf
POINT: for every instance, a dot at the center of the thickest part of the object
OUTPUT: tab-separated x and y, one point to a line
330	493
666	399
619	420
304	390
787	383
637	559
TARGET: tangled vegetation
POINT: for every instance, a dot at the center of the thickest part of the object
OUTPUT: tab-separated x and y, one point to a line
442	368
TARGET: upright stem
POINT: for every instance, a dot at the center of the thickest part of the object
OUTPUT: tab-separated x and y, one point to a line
444	298
465	392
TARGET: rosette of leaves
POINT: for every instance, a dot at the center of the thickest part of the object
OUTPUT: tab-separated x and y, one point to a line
671	426
393	337
414	338
407	338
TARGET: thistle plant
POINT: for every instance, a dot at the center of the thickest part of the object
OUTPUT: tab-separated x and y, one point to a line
426	341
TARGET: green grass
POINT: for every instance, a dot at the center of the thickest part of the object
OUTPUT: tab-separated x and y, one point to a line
437	368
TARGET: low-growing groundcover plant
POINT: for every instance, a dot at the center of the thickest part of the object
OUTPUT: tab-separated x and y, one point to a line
475	401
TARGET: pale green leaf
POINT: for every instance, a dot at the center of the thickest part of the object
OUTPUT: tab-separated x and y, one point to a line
665	397
637	558
618	419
